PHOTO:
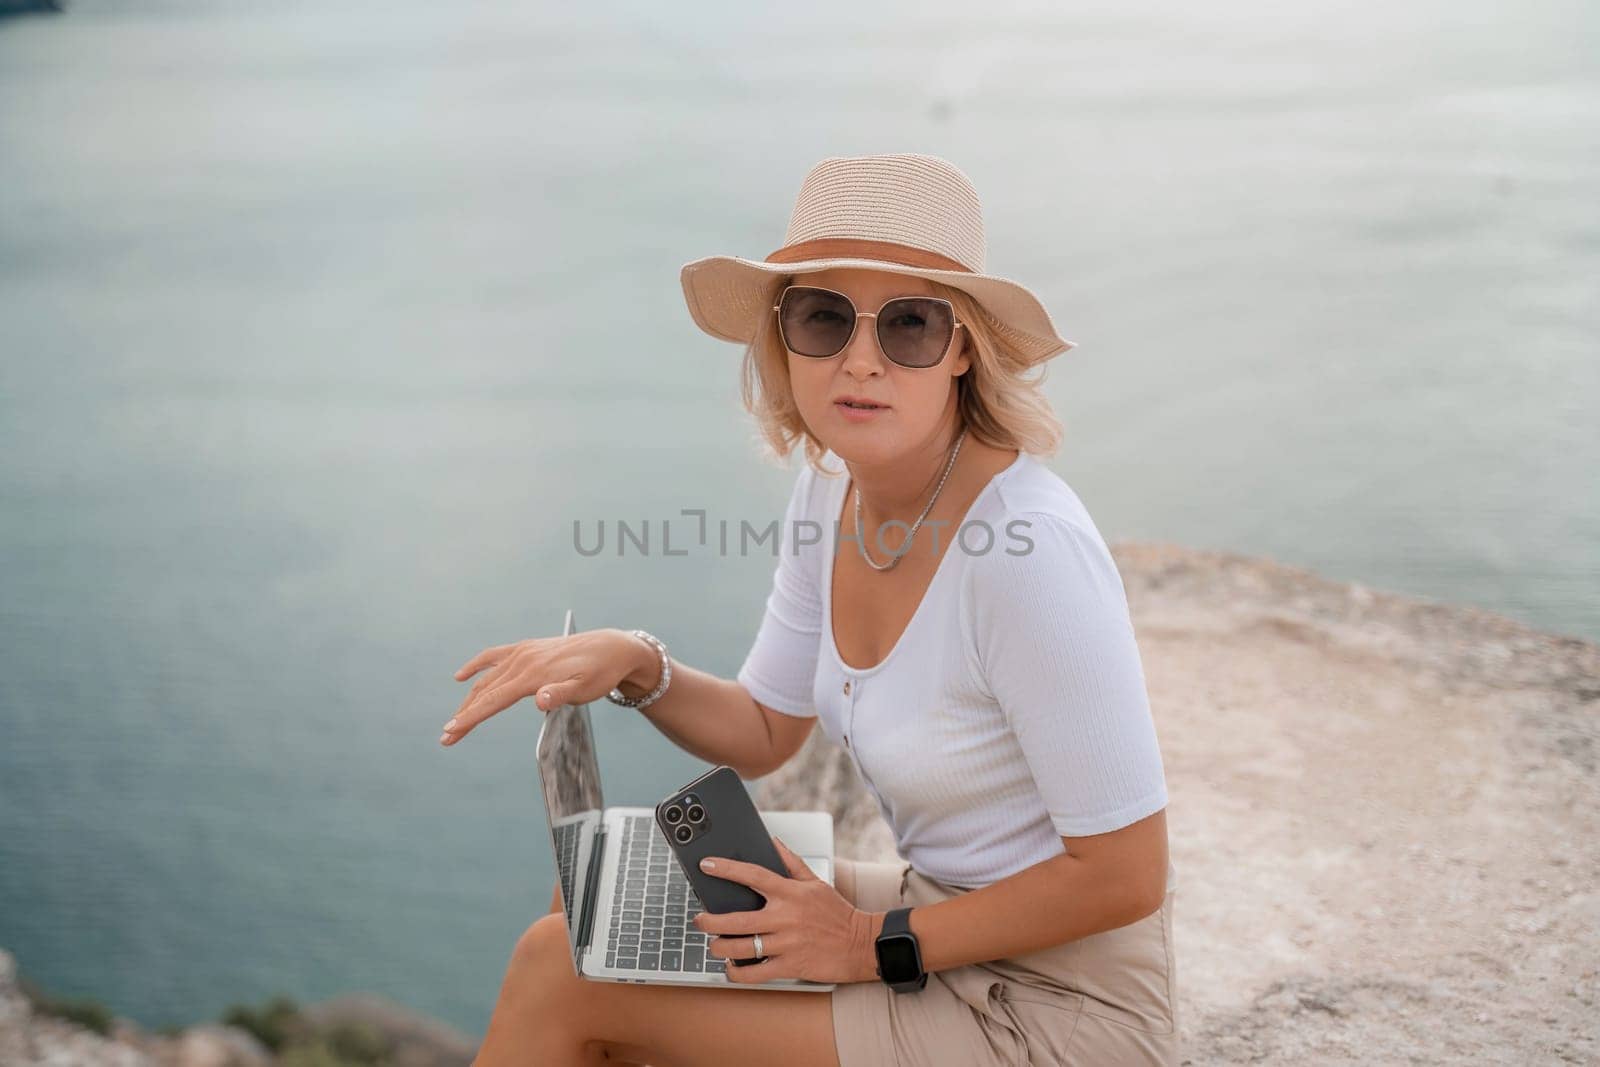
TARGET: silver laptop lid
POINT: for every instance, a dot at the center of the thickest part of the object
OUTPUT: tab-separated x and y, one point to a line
569	775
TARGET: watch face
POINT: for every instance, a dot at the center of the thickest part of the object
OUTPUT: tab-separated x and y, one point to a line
897	958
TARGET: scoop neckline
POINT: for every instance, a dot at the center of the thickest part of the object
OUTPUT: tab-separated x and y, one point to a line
837	500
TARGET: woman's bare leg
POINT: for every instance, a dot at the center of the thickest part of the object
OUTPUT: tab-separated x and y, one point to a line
602	1053
546	1014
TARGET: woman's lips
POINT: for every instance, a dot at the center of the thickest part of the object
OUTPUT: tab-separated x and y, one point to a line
861	414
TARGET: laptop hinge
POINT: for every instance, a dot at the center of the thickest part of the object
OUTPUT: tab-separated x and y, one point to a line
586	920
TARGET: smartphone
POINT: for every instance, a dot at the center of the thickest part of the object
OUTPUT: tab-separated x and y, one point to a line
714	816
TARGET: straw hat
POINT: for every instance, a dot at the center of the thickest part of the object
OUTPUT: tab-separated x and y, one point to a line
905	212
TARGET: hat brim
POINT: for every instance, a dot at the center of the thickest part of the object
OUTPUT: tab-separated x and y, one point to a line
728	296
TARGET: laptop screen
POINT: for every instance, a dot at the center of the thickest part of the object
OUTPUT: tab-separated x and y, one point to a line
569	775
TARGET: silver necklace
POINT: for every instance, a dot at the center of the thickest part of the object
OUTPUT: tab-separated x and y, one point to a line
861	542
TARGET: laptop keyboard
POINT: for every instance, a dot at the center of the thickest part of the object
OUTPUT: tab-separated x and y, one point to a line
652	906
568	835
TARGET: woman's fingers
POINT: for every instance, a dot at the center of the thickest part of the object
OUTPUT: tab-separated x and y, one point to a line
532	668
492	678
500	695
481	660
799	869
502	691
552	696
771	967
744	948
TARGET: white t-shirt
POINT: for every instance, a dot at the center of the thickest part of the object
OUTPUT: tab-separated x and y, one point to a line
1011	712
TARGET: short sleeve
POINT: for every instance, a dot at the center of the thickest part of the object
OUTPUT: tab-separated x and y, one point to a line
780	669
1054	645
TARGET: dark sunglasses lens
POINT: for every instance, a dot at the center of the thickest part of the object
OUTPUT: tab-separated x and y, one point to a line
915	332
815	322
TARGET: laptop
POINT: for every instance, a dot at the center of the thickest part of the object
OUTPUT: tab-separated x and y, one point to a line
628	906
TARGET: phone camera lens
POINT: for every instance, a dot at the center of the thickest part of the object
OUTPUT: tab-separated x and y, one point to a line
672	814
683	834
697	813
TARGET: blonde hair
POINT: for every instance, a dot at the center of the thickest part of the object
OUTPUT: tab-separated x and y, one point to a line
1000	397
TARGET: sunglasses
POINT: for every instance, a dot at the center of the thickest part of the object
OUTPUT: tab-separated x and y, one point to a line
913	331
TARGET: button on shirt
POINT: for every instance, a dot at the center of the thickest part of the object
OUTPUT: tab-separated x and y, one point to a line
1011	712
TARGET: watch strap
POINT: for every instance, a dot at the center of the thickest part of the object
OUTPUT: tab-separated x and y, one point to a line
896	921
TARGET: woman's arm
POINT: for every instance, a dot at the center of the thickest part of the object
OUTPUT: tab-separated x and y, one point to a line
712	718
1053	641
1102	882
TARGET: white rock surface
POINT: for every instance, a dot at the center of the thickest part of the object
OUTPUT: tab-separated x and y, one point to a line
215	1045
31	1040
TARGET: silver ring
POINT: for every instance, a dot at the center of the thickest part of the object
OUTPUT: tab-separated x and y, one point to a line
759	953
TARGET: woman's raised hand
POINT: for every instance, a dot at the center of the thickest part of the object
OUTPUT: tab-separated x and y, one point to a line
555	670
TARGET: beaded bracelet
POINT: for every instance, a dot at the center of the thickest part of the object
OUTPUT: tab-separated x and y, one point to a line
640	703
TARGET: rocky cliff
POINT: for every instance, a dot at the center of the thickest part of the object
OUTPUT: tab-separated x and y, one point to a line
357	1030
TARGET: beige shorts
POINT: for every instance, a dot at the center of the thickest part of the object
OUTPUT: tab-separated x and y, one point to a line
1104	999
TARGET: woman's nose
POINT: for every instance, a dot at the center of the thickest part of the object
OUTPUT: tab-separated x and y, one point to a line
862	353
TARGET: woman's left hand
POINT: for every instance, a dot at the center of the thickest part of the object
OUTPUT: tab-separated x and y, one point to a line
808	929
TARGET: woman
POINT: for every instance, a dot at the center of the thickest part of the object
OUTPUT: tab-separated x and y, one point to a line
947	609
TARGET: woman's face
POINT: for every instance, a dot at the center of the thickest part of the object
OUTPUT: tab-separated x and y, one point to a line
916	401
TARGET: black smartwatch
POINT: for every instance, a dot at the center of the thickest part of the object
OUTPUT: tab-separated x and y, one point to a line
899	957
